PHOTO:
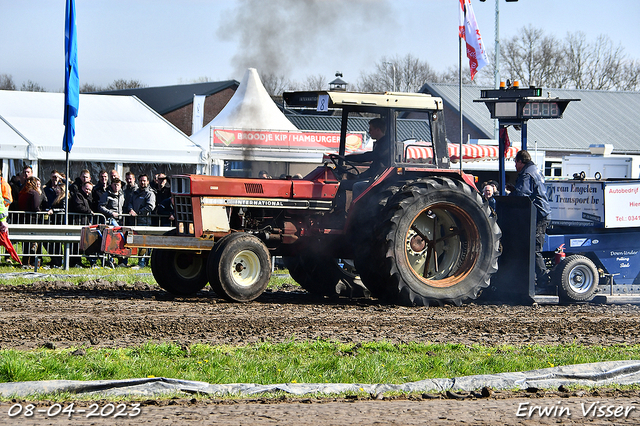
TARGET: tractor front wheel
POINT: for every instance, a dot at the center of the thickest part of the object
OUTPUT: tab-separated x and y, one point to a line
239	268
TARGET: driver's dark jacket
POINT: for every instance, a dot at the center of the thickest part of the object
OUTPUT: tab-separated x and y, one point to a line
379	158
530	183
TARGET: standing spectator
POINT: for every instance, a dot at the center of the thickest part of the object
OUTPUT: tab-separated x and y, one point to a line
114	174
129	189
163	188
142	204
17	183
530	183
85	176
110	205
30	199
55	178
4	213
488	195
55	193
7	197
111	202
81	201
100	187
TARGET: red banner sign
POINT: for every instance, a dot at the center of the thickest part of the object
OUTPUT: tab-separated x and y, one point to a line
280	139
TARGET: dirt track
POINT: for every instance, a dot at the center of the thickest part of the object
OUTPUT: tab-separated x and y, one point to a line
102	314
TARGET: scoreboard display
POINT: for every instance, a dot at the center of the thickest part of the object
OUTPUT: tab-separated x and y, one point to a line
522	104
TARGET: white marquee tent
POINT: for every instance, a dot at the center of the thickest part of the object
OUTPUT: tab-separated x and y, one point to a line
118	129
251	108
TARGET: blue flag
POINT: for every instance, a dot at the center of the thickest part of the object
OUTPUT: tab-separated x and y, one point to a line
72	81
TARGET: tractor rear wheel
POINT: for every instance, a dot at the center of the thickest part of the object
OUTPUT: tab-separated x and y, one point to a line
438	244
578	279
239	267
179	272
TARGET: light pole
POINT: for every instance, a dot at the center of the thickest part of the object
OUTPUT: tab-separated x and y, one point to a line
394	73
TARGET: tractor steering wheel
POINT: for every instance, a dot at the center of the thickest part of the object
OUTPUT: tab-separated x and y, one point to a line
347	168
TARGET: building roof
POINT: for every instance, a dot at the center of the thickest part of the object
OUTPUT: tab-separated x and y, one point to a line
165	99
599	117
108	128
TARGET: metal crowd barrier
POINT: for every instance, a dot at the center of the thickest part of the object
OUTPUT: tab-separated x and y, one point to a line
40	234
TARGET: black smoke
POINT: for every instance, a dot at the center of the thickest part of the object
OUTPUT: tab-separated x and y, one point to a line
275	36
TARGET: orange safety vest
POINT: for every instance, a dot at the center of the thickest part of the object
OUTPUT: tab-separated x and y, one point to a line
6	192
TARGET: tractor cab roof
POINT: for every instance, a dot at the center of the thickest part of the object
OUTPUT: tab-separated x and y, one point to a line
342	99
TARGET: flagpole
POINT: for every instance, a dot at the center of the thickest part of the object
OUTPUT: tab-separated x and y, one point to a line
66	210
460	41
71	100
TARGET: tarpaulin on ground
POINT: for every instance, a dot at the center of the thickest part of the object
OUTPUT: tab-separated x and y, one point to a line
587	375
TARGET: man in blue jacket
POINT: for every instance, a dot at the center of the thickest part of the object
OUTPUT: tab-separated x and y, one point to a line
530	183
141	205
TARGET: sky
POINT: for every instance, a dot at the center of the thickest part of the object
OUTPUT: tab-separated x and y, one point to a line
167	42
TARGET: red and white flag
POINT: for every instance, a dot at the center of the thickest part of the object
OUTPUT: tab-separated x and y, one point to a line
468	30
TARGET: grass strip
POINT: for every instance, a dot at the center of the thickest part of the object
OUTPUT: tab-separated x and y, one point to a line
296	362
74	275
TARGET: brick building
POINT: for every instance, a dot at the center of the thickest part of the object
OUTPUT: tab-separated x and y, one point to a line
175	103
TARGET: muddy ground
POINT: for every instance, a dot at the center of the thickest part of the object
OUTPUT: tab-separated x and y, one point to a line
102	314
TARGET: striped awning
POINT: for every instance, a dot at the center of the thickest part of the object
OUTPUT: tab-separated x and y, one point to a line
469	152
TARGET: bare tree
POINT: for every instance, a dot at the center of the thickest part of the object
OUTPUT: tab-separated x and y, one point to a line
605	65
410	75
274	84
90	88
122	84
31	86
631	69
6	82
451	76
316	82
534	58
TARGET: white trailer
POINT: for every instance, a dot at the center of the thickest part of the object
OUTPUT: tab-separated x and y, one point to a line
601	164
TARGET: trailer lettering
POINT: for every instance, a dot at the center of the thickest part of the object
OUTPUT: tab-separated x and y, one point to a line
623	190
583	189
634	204
624	253
572	200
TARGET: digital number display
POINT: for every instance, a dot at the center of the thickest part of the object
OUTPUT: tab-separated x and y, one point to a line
541	110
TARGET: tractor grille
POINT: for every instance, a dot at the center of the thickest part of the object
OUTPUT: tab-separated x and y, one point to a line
183	209
180	185
253	188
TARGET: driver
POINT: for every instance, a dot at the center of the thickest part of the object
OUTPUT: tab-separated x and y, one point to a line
379	156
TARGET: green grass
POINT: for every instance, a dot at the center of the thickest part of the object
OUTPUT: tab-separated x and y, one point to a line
297	362
127	275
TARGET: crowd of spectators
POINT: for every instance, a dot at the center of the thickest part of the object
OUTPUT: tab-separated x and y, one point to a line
131	202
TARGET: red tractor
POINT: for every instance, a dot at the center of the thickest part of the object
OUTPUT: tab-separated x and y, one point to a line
417	234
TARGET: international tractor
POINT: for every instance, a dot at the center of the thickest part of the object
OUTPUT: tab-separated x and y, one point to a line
418	234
